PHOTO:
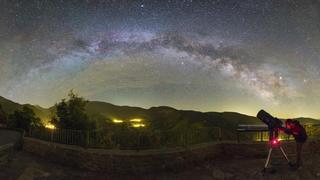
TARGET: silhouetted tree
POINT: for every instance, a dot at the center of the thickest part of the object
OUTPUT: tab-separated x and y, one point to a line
70	113
63	119
24	119
3	116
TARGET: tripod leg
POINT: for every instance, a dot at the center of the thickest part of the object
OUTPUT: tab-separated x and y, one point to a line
268	160
284	154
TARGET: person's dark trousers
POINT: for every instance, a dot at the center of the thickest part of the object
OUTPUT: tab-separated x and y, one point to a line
299	150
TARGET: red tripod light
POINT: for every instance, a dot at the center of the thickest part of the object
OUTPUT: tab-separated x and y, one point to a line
275	142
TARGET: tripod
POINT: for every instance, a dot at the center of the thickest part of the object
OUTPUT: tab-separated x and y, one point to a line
275	144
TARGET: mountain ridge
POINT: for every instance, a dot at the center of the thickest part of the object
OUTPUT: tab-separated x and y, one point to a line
109	111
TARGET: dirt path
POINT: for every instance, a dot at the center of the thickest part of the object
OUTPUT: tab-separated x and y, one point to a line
26	166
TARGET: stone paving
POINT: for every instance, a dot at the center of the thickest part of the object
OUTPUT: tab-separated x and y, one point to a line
25	166
7	136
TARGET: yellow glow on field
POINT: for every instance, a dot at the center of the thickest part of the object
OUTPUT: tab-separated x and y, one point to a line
117	121
138	125
136	120
266	138
50	126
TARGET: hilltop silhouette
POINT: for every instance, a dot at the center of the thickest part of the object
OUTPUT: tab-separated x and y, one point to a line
158	115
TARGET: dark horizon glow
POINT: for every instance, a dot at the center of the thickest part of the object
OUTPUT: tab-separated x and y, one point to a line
218	55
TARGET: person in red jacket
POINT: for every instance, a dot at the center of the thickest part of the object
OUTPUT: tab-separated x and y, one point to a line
294	128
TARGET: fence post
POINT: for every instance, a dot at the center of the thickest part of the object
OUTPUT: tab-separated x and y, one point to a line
238	138
220	134
139	140
87	138
51	135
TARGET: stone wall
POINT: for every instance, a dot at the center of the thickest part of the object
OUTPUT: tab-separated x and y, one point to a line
137	162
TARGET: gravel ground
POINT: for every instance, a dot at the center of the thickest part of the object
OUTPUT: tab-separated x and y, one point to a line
27	166
7	136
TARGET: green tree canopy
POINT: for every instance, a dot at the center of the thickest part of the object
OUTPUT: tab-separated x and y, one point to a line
70	113
24	119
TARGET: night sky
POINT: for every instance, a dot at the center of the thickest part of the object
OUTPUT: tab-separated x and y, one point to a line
223	55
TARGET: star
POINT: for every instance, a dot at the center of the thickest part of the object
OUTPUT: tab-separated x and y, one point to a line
125	52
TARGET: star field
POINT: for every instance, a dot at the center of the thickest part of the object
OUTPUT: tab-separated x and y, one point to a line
203	55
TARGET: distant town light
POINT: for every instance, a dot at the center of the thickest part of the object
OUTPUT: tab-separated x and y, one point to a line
138	125
50	126
117	121
136	120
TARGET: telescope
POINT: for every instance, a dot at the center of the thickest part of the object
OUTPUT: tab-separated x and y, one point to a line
274	125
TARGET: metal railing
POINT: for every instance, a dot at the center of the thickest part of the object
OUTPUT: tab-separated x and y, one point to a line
134	139
255	134
140	138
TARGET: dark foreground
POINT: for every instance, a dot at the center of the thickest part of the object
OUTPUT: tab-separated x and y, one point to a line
27	166
7	136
